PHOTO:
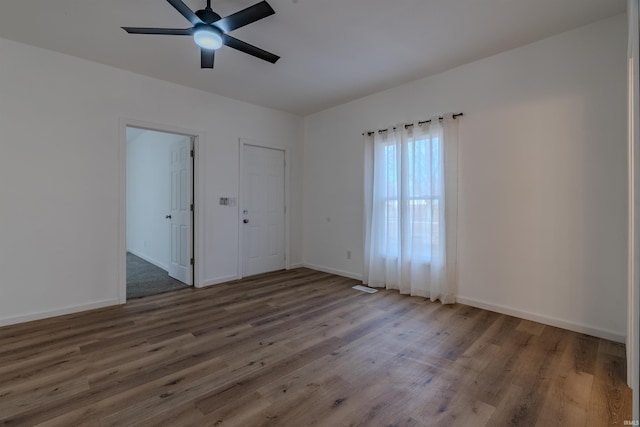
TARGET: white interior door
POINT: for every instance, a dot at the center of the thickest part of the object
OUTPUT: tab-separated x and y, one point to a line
180	266
263	210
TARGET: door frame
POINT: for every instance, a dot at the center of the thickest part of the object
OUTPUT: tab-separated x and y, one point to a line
633	263
242	143
198	144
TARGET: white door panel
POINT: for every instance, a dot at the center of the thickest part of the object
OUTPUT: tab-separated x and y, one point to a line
262	206
180	267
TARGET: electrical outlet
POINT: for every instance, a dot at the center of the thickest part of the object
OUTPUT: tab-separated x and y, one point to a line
348	254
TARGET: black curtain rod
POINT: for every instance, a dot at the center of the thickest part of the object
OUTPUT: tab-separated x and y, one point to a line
411	124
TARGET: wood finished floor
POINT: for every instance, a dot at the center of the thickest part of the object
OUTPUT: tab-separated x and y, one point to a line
301	348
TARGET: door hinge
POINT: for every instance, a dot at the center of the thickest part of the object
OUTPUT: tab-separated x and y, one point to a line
191	207
192	153
193	262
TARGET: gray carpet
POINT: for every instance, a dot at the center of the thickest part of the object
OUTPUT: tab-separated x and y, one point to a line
144	279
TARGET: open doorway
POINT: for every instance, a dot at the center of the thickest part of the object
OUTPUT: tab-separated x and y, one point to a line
159	212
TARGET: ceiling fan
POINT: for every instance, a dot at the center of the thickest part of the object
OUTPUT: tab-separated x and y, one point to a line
210	31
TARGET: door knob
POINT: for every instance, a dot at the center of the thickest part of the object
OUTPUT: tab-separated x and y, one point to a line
246	221
168	216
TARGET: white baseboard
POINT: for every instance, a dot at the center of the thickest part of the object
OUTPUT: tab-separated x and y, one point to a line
547	320
58	312
217	281
333	271
149	259
296	265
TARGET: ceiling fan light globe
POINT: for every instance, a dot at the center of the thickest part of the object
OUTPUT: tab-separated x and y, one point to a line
207	38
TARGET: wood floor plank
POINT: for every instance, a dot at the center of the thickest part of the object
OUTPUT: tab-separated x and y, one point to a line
610	398
567	401
532	375
185	415
301	347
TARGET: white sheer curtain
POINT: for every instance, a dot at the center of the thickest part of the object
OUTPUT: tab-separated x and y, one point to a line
411	209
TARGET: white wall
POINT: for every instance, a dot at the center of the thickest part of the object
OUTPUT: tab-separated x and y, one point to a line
149	194
542	201
59	188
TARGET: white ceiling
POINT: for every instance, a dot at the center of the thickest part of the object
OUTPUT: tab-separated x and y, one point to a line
332	51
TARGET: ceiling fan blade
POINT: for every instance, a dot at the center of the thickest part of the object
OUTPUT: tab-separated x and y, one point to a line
185	11
244	17
207	58
168	31
250	49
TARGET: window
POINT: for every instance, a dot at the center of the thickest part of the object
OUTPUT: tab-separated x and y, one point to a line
418	163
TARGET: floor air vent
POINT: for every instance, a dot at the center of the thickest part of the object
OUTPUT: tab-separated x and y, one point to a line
365	289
